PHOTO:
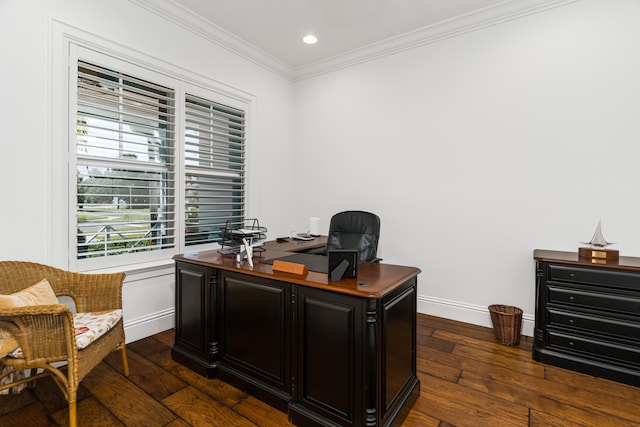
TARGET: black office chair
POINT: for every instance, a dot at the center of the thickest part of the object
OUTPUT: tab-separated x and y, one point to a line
355	230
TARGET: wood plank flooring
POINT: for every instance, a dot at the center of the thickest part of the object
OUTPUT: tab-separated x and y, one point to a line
467	379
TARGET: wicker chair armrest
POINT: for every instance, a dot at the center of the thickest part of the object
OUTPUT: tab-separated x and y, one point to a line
33	310
42	331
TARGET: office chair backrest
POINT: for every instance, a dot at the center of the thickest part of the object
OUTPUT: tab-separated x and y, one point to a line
355	230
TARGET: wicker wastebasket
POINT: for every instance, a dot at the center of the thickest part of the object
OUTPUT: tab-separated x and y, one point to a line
507	323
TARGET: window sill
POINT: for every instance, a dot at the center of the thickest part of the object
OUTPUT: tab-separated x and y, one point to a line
135	269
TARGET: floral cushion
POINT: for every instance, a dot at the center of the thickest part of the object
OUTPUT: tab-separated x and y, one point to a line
88	327
8	375
91	326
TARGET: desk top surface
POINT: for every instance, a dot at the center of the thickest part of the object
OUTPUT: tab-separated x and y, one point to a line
374	279
294	245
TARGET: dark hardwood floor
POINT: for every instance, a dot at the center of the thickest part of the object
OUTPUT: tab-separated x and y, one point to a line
467	380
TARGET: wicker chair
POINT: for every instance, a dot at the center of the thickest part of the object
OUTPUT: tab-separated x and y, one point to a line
46	333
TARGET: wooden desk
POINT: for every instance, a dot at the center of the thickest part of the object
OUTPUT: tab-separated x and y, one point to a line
327	353
293	245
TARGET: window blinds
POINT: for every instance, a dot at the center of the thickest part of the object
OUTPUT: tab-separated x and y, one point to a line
214	169
125	163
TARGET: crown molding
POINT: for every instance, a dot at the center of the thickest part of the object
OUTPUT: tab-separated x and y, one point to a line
199	26
505	11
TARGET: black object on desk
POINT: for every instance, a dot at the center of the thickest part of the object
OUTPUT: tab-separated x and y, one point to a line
343	263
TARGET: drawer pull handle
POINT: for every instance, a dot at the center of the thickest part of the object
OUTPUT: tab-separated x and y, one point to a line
571	344
572	298
572	276
571	322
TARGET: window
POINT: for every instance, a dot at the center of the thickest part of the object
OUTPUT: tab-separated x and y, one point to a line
214	165
125	169
157	168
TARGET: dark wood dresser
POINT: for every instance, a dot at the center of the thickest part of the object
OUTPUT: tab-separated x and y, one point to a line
588	315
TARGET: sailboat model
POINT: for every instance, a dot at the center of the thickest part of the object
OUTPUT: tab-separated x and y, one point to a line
598	239
598	252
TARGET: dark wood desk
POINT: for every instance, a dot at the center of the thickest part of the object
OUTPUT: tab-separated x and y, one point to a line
327	353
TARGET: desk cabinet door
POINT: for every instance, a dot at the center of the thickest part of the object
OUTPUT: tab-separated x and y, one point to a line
329	337
195	325
256	337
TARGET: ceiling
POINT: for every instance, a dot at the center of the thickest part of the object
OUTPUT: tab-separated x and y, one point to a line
270	32
277	26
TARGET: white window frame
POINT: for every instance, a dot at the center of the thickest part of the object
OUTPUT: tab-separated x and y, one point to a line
70	44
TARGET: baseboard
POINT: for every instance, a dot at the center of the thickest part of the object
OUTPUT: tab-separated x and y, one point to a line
145	326
468	313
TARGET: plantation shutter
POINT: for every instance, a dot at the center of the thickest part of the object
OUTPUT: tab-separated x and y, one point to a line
214	169
125	158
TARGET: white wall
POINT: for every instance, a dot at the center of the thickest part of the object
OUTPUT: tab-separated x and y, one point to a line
477	149
473	150
29	33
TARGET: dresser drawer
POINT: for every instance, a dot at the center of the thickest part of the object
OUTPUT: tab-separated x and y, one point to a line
591	298
626	355
619	279
622	328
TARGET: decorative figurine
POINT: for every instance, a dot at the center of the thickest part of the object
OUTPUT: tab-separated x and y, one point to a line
598	252
598	239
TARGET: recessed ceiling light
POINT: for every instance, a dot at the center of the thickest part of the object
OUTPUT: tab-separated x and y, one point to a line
310	39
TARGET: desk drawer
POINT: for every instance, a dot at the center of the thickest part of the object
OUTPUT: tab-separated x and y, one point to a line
625	329
626	355
587	297
619	279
